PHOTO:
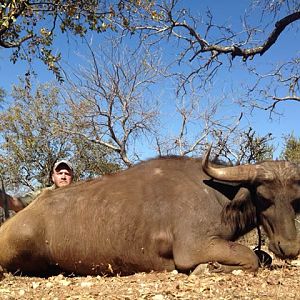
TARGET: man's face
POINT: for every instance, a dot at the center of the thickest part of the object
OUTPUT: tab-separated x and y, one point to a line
62	176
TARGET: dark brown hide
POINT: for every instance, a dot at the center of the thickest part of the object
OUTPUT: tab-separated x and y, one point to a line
158	215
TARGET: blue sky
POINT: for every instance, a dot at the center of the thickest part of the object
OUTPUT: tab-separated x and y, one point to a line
233	80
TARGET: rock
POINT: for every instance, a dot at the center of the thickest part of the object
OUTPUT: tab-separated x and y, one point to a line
237	272
158	297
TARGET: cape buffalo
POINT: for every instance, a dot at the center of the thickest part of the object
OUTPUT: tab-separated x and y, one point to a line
162	214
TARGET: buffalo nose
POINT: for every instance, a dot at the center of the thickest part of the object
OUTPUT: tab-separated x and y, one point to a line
285	249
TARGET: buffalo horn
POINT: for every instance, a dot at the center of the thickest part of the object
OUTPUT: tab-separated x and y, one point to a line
243	173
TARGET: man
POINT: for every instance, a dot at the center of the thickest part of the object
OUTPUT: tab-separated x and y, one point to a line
62	175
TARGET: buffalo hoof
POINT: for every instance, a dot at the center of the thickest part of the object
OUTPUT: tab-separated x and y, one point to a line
208	268
215	267
201	269
264	259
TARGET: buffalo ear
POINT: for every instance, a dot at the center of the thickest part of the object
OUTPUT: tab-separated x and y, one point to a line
240	212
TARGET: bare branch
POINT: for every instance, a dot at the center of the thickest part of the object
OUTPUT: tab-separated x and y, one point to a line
110	107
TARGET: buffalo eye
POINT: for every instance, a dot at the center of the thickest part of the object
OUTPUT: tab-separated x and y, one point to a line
296	205
263	202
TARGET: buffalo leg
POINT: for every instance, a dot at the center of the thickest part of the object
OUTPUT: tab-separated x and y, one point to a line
222	256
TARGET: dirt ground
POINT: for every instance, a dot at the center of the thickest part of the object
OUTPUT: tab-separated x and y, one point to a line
281	281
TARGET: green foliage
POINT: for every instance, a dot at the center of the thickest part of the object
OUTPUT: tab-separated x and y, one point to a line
92	159
32	139
291	150
30	27
28	147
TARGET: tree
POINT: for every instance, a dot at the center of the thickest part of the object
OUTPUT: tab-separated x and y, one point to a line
98	120
32	140
112	100
291	150
247	147
31	27
92	159
112	103
2	95
208	47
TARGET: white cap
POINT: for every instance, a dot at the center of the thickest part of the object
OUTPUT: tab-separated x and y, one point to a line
63	162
